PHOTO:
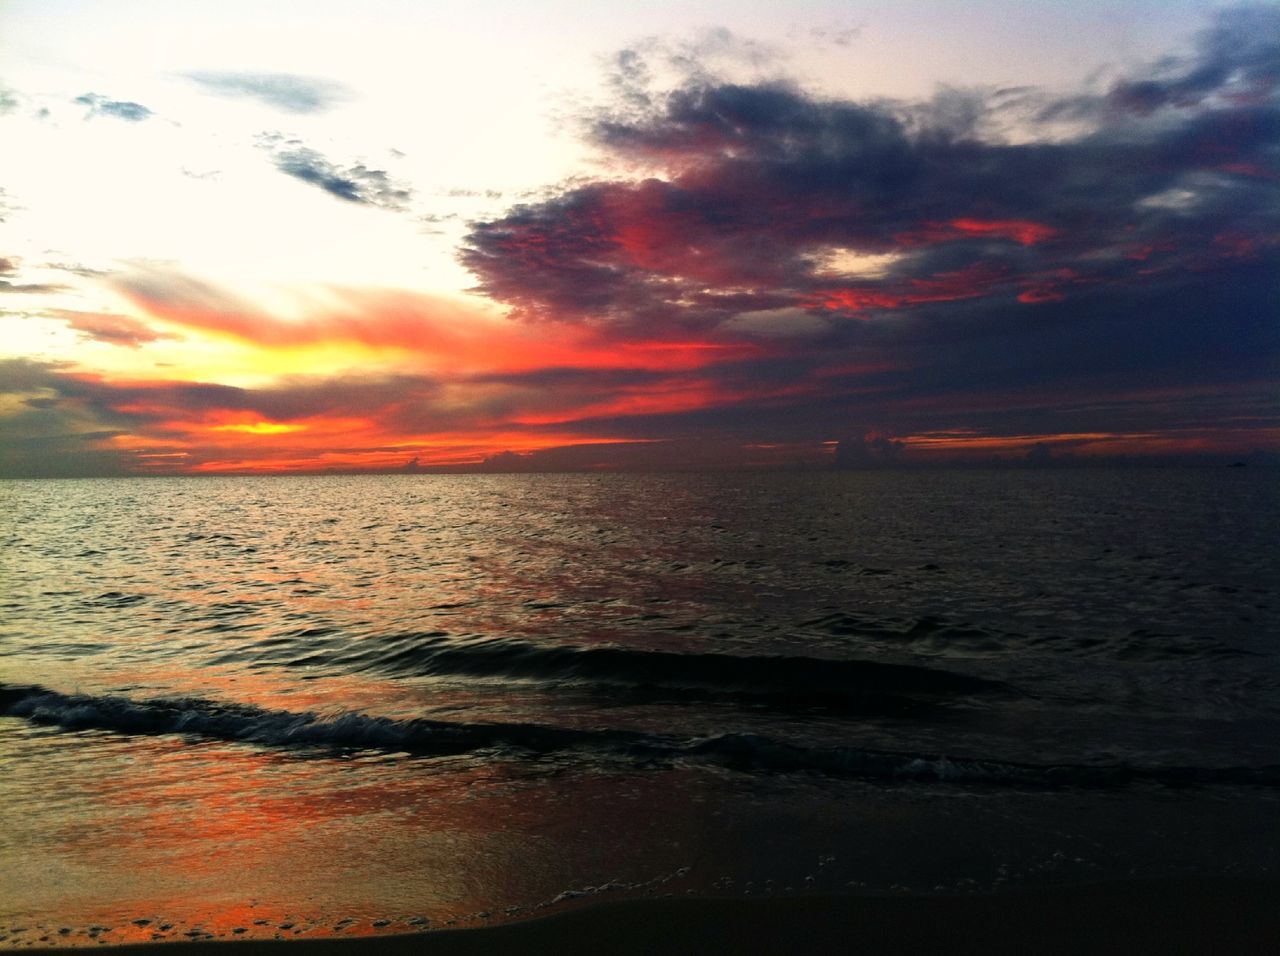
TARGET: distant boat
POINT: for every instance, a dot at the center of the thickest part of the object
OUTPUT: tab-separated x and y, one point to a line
1238	464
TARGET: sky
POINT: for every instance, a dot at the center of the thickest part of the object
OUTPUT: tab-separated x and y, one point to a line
260	237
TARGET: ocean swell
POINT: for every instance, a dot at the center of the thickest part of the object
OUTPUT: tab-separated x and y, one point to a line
800	680
746	753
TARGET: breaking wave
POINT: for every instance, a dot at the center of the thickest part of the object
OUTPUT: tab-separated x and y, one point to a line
748	753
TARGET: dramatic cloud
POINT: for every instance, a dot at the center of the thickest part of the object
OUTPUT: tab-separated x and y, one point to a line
282	91
119	109
59	421
1003	286
436	331
471	384
762	276
1236	62
357	183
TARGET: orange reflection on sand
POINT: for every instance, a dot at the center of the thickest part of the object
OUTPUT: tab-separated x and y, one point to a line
230	841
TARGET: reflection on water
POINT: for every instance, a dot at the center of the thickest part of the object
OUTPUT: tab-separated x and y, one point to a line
223	838
157	838
1042	626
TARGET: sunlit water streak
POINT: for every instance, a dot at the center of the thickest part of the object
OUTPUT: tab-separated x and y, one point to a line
318	705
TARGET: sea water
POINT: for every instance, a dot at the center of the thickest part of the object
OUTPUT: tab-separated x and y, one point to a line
279	706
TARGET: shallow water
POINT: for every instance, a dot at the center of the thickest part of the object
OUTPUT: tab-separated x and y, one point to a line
349	703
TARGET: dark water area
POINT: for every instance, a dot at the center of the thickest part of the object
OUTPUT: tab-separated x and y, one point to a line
282	706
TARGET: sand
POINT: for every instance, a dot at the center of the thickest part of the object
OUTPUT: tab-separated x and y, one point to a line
1175	916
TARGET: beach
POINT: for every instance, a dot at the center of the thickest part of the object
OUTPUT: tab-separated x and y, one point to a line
491	477
782	711
1237	916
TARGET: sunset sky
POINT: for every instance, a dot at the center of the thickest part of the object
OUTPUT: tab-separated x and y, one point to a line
246	237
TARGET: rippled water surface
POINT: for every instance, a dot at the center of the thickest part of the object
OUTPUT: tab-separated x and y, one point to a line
363	704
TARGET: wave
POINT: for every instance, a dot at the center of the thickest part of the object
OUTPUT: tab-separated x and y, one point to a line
218	720
933	635
747	753
805	681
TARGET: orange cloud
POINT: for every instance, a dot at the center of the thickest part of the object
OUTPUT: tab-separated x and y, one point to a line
449	336
261	428
960	444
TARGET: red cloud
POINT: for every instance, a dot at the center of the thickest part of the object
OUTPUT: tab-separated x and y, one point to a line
968	283
1021	231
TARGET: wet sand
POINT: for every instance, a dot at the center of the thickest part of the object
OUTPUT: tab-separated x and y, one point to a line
1175	916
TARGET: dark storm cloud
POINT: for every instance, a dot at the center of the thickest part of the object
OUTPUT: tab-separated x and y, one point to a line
766	181
283	91
1235	59
1139	253
356	183
119	109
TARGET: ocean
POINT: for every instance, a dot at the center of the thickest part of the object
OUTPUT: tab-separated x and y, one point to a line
301	706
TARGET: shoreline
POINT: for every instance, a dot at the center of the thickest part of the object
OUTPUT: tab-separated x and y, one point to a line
1166	916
